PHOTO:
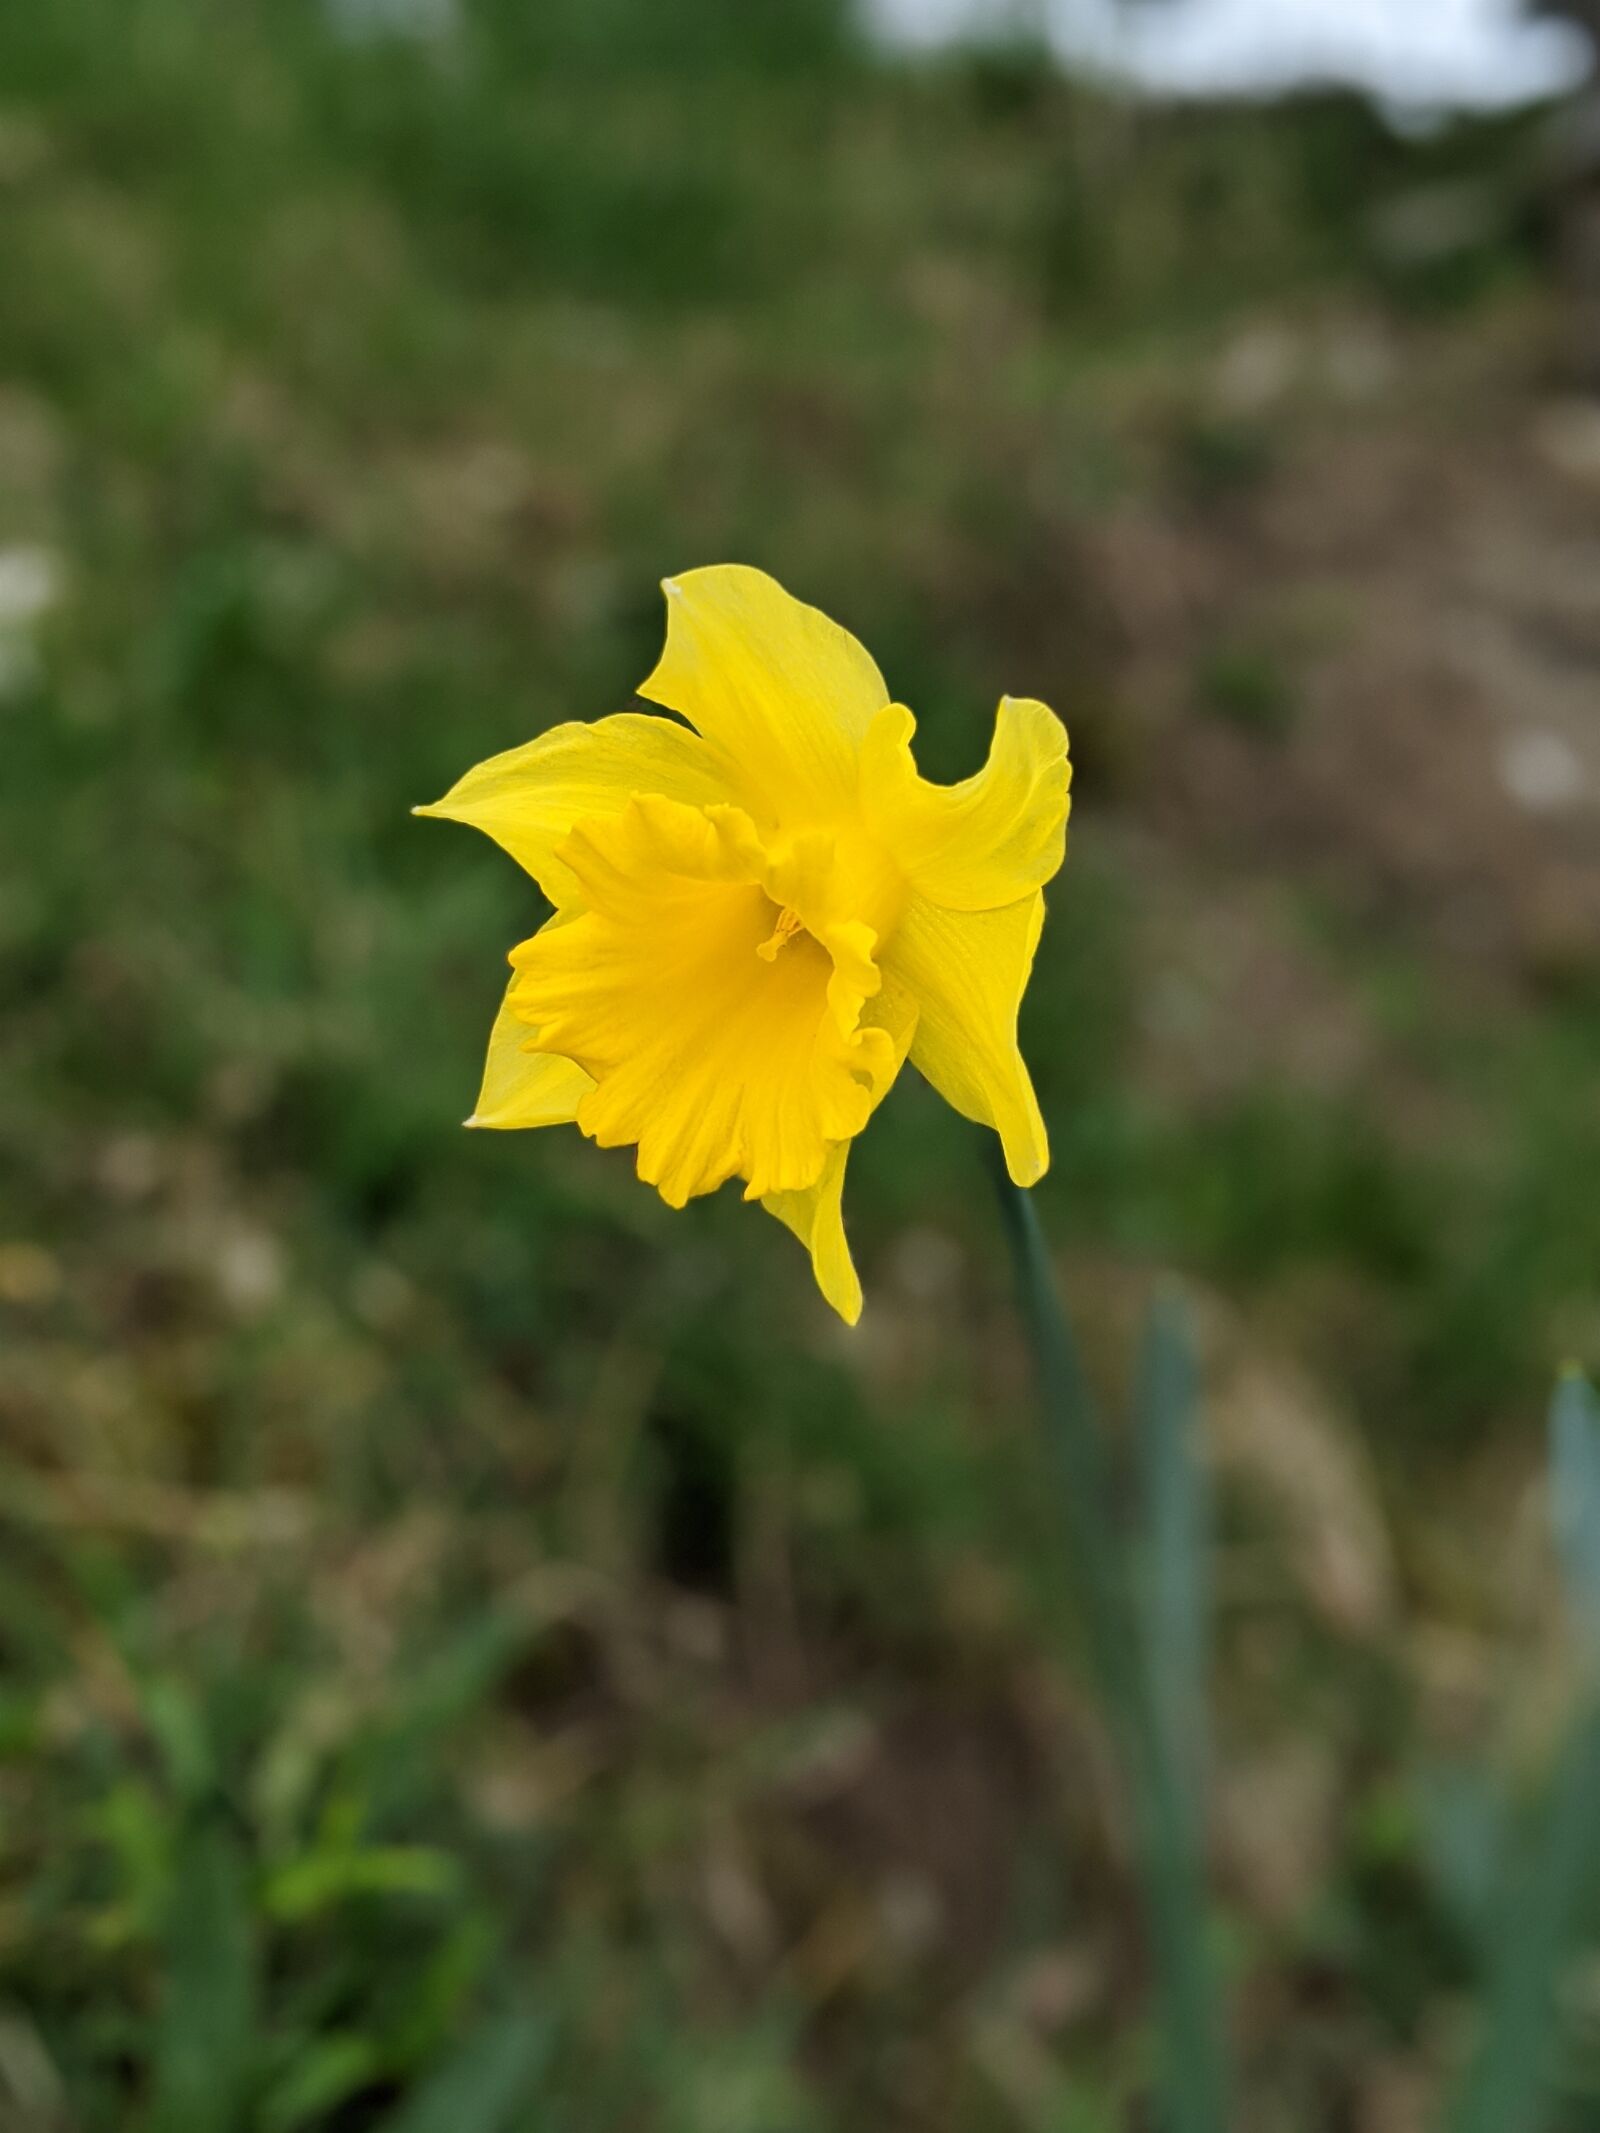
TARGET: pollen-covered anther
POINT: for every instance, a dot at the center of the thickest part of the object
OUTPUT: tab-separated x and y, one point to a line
789	924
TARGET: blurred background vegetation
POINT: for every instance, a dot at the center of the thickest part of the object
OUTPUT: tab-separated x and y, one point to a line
478	1651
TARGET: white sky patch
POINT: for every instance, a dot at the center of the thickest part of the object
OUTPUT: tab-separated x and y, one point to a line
1413	54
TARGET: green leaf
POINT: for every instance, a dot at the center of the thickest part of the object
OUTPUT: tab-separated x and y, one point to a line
1506	2083
134	1824
421	2014
177	1724
485	2087
1462	1817
1575	1492
315	1883
206	2040
327	2071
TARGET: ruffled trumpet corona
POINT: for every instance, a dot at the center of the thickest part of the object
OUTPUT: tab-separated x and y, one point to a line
762	909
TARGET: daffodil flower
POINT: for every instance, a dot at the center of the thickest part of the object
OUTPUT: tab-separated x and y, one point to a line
762	910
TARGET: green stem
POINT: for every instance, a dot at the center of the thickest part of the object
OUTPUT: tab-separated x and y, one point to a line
1193	2080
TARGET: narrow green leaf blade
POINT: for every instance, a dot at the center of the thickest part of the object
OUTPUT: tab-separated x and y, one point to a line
1575	1492
1506	2084
484	2088
1462	1817
326	2071
206	2042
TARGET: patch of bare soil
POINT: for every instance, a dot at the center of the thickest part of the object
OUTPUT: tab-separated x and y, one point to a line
1376	665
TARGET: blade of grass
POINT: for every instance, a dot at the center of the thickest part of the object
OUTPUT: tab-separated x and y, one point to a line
1193	2081
206	2043
484	2087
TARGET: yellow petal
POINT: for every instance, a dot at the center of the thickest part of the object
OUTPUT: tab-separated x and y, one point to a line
523	1087
816	1215
717	1059
528	799
817	1218
783	692
967	971
993	838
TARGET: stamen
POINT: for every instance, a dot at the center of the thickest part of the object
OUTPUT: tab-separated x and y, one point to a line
789	924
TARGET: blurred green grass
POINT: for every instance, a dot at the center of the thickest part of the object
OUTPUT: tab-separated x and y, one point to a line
473	1645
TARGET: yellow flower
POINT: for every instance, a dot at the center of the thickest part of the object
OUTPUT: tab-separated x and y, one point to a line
759	914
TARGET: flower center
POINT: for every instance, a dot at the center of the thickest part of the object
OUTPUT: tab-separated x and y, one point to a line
789	924
715	1069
